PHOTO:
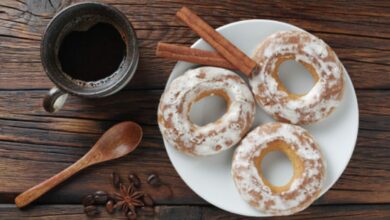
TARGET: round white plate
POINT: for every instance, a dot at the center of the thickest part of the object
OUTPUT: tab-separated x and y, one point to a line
210	176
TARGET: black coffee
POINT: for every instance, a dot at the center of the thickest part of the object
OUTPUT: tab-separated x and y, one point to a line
93	54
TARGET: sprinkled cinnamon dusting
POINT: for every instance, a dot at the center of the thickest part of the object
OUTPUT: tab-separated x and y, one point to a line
212	138
317	57
304	188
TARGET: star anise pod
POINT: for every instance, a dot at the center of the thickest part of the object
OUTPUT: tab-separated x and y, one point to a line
128	198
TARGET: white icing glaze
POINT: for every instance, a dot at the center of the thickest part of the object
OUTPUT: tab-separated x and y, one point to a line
214	137
303	190
321	100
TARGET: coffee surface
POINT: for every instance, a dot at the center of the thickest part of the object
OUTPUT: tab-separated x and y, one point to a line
92	55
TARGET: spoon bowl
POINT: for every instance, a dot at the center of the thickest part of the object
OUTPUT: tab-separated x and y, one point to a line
118	141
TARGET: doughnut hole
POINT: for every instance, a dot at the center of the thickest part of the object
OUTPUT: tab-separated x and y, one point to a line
295	78
208	107
278	165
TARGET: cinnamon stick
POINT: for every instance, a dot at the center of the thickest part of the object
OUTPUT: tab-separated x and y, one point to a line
224	47
192	55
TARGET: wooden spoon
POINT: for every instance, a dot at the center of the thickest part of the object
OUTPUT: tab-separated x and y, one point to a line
118	141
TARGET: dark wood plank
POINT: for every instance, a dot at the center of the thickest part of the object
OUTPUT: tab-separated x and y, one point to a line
354	212
53	212
32	140
314	212
366	180
363	51
140	106
35	145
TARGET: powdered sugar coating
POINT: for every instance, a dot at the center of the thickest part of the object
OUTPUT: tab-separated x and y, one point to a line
302	191
321	100
215	137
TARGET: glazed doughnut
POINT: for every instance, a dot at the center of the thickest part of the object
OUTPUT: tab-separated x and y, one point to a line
175	105
306	159
317	57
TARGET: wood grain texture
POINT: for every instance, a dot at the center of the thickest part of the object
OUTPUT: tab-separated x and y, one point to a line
118	141
52	212
34	145
360	37
34	140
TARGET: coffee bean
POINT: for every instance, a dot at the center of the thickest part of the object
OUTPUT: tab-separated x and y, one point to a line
131	215
91	210
148	201
100	193
154	180
100	197
134	180
110	206
115	180
88	200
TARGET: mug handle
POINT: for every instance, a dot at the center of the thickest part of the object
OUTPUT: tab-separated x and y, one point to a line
54	100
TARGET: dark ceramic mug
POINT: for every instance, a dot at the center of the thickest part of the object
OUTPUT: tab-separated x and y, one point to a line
78	17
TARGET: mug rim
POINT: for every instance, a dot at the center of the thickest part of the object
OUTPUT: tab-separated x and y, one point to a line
126	74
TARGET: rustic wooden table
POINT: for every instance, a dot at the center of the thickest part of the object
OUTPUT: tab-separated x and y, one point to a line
34	145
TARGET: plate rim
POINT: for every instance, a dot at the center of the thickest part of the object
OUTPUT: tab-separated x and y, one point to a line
354	97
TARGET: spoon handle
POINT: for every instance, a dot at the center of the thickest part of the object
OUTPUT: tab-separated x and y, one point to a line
37	191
